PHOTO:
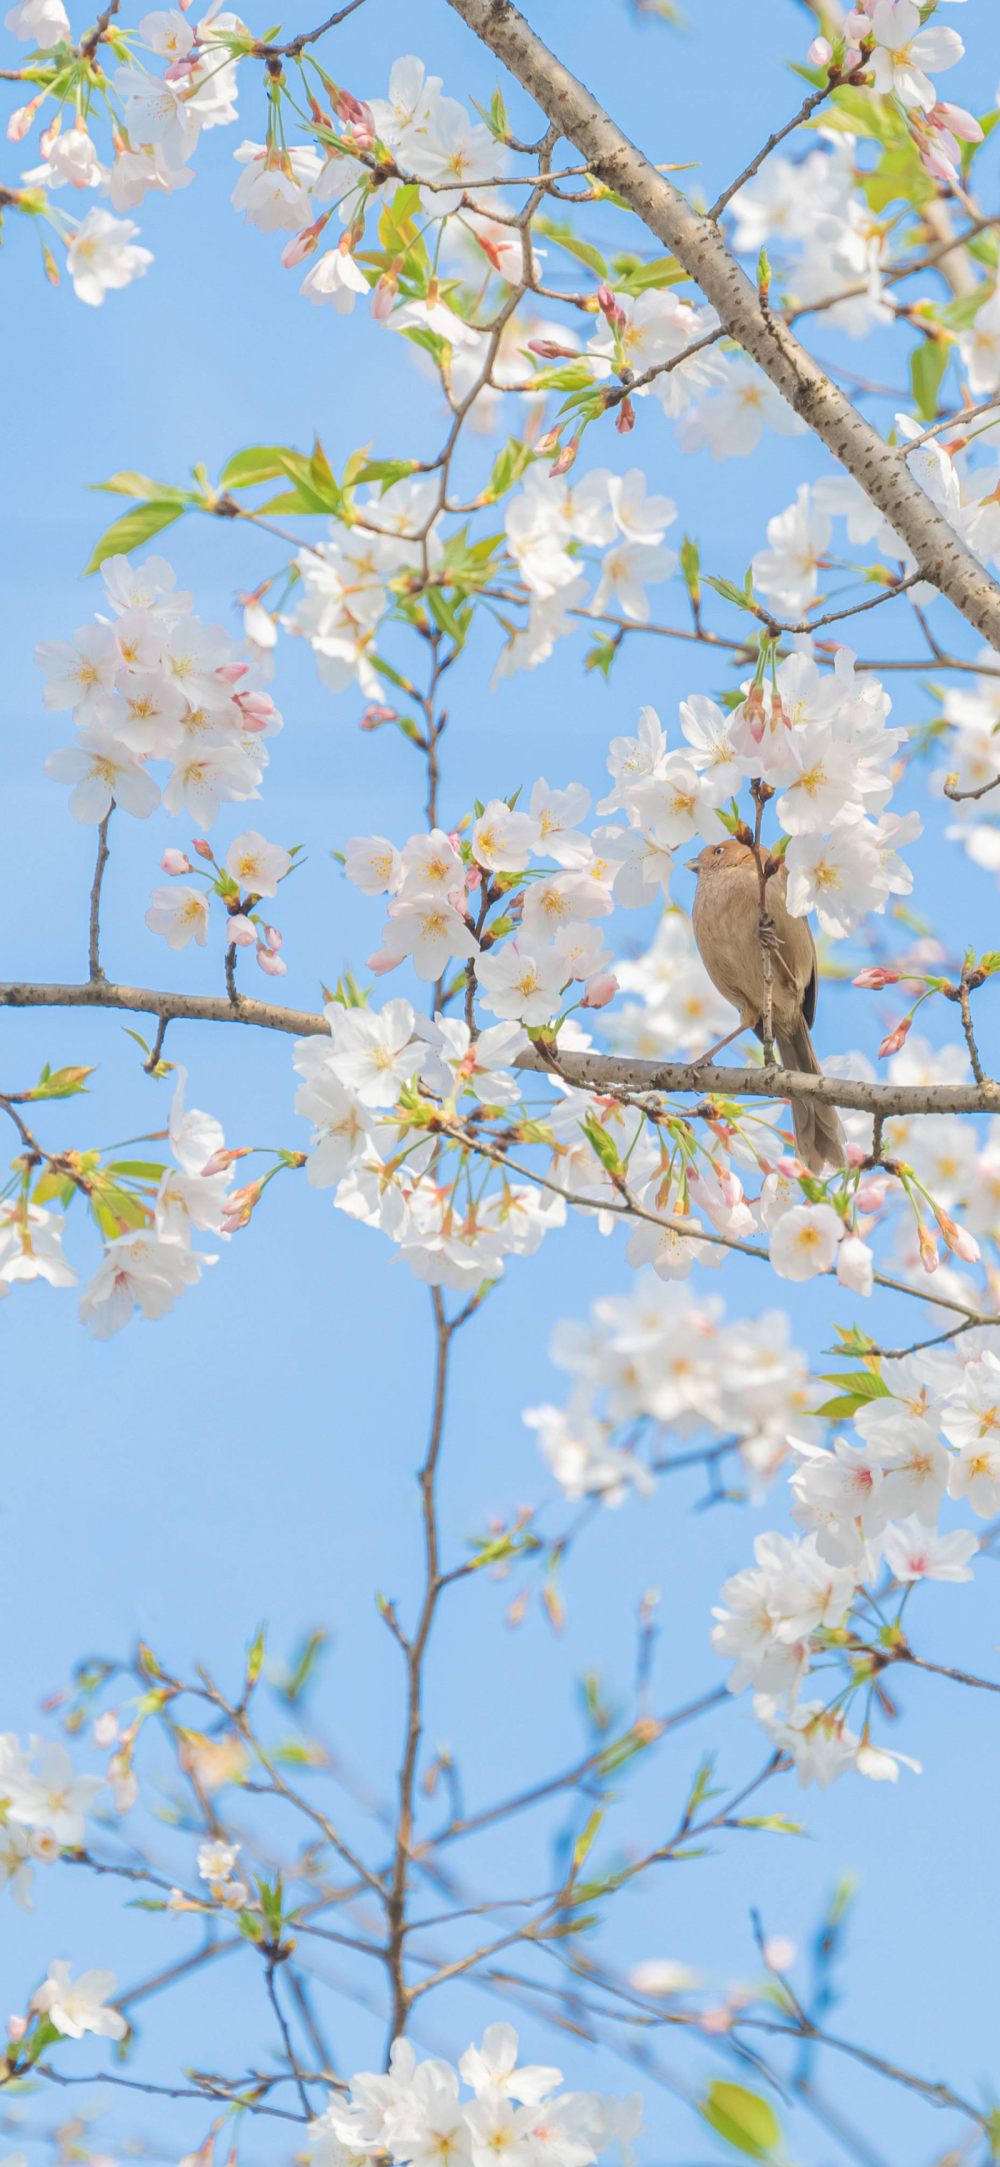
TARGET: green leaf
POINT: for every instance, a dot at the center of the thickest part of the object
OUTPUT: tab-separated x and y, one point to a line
962	312
60	1083
729	593
990	962
862	1385
862	112
601	656
135	530
691	567
742	2118
586	1838
649	277
508	467
774	1823
260	463
898	175
446	617
130	484
602	1145
385	471
138	1169
624	1749
495	118
294	1686
865	1384
928	362
564	237
431	342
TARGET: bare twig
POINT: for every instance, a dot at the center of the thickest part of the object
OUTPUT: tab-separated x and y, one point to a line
103	855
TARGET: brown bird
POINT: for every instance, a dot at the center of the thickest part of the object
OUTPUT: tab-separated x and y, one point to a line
726	921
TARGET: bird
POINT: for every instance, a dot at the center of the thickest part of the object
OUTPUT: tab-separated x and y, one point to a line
726	923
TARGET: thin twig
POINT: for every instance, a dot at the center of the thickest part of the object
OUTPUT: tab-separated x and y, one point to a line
103	854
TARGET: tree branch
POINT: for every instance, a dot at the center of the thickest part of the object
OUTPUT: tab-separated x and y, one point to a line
880	468
596	1071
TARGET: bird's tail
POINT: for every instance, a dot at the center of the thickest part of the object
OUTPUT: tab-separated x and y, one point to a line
819	1138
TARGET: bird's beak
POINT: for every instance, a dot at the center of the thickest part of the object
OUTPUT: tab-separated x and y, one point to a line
691	865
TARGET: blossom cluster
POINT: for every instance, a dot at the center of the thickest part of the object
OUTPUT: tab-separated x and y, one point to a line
416	2113
928	1429
150	1211
154	123
660	1366
43	1807
153	683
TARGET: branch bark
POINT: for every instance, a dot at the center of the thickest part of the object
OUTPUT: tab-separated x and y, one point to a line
880	468
601	1071
590	1071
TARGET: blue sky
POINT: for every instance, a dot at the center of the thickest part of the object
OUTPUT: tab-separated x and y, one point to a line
252	1457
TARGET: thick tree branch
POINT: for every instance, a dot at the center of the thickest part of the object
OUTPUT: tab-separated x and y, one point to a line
183	1007
880	468
589	1071
599	1071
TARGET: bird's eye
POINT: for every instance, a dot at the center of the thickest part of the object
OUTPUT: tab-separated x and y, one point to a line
718	850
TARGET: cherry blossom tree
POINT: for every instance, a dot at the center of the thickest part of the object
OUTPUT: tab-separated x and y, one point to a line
530	1062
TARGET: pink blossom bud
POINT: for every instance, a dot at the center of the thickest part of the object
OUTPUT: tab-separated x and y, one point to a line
240	930
854	1265
374	716
302	244
894	1039
125	1790
174	861
550	350
852	60
871	1195
256	709
272	964
203	849
928	1248
382	962
351	110
106	1729
16	2028
545	444
855	1155
857	25
232	671
221	1161
959	1240
566	457
46	140
473	878
626	417
606	301
238	1207
383	295
820	53
600	990
876	976
957	121
272	937
21	119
